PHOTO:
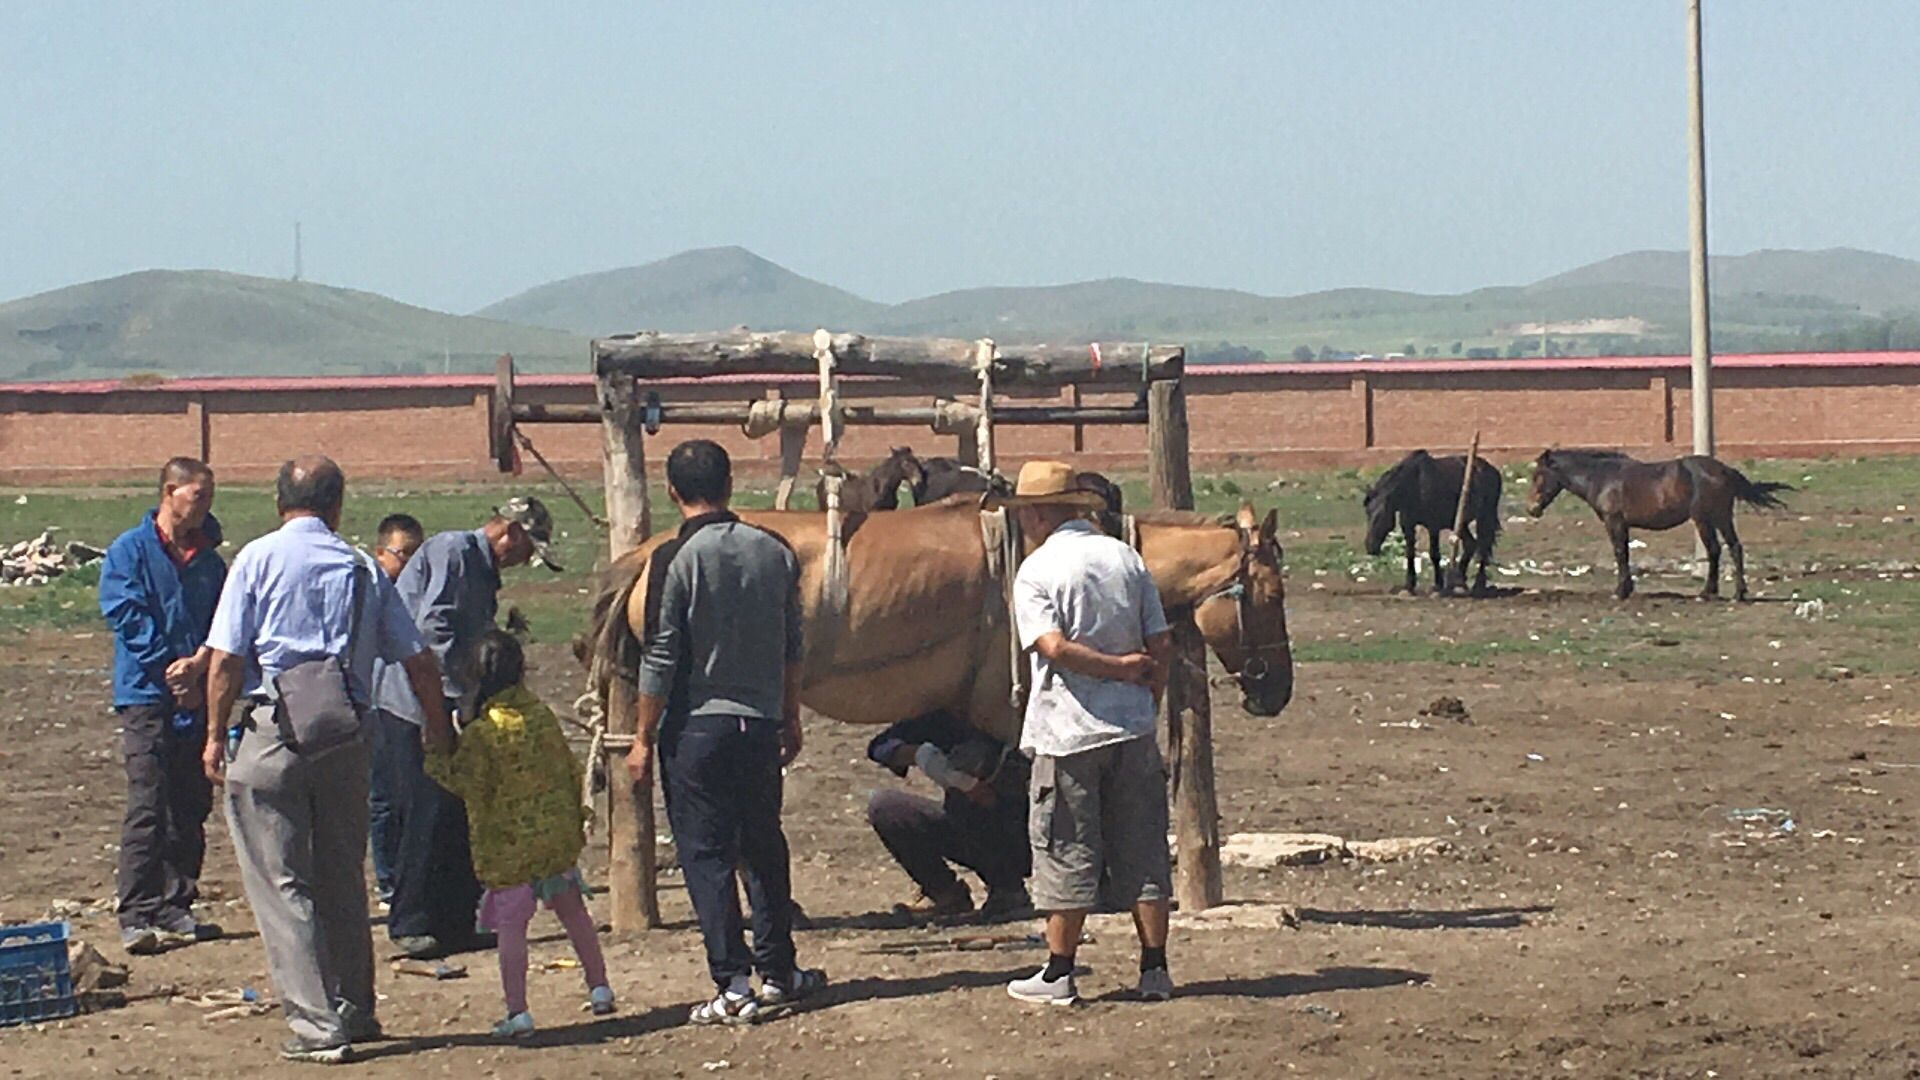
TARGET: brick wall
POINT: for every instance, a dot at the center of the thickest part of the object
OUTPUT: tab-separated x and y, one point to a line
1267	416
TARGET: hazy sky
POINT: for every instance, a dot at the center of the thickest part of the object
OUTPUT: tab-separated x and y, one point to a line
450	155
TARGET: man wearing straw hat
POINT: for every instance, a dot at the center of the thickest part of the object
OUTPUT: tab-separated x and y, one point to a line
1089	616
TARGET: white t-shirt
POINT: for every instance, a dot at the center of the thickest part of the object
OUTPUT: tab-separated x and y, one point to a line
1095	591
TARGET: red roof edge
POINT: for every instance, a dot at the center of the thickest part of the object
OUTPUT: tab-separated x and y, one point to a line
281	384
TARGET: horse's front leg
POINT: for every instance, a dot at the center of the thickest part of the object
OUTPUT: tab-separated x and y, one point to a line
1617	531
1433	552
1407	539
1469	549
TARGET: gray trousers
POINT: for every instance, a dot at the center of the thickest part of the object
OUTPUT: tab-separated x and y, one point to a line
299	829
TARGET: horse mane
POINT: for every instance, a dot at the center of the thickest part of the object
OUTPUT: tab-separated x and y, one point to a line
1398	473
1589	455
1179	517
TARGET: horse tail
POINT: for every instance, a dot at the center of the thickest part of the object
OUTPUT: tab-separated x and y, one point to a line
1757	493
1486	525
612	650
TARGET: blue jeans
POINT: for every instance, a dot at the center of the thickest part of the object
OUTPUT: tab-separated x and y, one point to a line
391	739
723	790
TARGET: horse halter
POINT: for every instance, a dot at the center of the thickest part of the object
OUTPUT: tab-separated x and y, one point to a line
1254	667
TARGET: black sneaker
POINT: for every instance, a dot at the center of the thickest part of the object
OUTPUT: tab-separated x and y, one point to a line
361	1026
298	1049
421	946
178	928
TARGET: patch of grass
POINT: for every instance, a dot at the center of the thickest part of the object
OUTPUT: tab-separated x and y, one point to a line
68	602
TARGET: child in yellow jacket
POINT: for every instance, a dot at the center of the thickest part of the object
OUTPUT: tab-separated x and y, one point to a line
521	783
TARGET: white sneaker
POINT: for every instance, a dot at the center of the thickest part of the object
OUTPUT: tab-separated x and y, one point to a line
600	1000
517	1026
728	1010
1037	990
1155	985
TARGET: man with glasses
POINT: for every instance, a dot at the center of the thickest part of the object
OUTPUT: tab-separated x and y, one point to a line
398	537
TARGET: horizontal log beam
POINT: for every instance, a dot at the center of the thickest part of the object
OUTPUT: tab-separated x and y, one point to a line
942	362
807	414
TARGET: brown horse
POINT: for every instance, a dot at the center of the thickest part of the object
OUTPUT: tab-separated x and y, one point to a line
1628	494
924	625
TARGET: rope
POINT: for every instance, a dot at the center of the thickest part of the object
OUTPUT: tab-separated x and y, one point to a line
527	445
983	359
836	578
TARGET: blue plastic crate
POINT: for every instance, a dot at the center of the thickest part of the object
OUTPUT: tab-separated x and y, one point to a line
35	982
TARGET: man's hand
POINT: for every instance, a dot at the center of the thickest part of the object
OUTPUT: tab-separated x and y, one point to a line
790	741
213	759
1134	667
1137	668
902	757
640	764
186	680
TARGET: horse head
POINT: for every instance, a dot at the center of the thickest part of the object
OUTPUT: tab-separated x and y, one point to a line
1548	482
1383	499
1378	501
907	468
1245	622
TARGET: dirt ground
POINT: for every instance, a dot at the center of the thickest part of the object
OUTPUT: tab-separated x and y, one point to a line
1600	913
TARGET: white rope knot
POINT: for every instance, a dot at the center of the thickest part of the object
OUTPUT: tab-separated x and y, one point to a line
764	417
952	417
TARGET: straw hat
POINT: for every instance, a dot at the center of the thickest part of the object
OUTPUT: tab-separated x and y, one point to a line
1049	483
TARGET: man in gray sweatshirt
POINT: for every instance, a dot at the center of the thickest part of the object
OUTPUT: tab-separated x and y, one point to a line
719	686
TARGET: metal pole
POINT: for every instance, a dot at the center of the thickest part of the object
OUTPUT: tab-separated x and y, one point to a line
1702	388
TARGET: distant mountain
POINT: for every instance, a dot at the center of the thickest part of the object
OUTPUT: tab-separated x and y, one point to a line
704	289
205	322
1868	280
1631	303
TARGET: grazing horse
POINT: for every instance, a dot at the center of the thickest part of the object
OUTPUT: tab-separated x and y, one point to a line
1424	491
878	489
1628	494
923	627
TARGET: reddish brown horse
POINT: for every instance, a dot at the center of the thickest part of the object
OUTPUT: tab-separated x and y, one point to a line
1628	494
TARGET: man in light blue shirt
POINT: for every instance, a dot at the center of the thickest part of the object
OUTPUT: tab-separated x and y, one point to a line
299	817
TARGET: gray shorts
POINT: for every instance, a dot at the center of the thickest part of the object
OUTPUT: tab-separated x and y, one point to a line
1100	811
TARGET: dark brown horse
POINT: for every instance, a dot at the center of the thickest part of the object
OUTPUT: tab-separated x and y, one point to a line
941	477
1628	494
1424	491
878	488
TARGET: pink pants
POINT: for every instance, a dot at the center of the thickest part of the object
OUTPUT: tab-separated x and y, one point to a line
507	912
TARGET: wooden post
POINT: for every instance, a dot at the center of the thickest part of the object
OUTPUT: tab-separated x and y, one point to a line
630	827
966	447
1196	816
793	442
1189	710
1169	481
1458	574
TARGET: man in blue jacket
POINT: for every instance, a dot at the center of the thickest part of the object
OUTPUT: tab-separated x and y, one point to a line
158	587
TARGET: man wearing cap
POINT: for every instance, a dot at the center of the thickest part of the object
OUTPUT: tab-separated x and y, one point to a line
1088	613
451	587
